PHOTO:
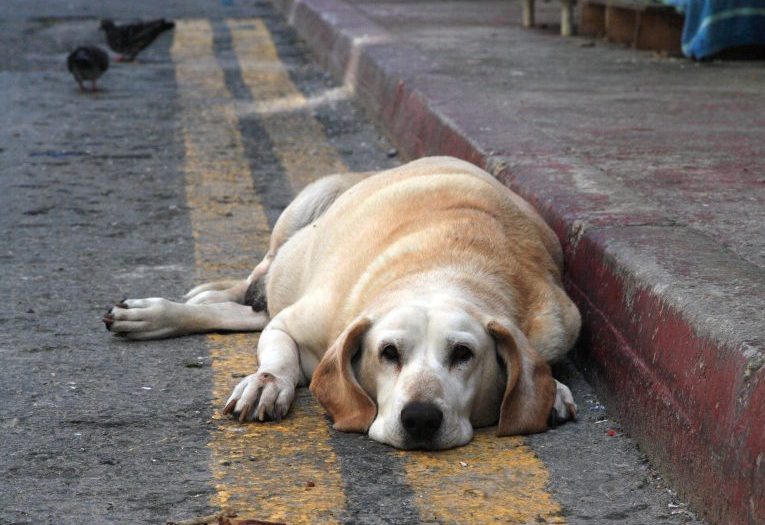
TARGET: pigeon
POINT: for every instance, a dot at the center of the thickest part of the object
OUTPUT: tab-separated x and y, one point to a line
87	63
131	39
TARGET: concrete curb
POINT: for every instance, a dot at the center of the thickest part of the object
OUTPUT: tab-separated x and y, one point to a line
673	322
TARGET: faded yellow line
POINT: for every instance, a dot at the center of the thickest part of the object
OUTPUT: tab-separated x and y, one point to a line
491	480
225	211
298	138
503	480
261	470
264	469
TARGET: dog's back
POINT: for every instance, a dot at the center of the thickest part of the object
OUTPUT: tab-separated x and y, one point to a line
434	215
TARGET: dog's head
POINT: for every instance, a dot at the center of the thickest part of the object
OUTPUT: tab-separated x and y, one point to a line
422	377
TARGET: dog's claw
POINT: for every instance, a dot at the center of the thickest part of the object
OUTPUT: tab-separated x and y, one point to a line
122	305
229	408
108	320
257	398
246	409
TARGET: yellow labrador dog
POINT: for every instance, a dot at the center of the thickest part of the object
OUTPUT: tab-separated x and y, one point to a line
418	303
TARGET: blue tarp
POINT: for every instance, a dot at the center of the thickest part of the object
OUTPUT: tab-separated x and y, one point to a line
714	25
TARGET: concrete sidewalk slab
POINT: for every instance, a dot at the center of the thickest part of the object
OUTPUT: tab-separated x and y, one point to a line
650	171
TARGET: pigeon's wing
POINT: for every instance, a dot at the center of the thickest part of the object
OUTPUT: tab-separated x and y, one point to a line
131	32
87	63
141	35
79	61
118	38
99	57
123	38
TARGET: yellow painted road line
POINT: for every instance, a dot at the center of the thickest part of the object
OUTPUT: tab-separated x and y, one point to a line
491	480
503	481
261	470
264	470
298	138
219	189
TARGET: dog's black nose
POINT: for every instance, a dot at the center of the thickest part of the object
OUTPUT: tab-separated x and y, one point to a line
421	420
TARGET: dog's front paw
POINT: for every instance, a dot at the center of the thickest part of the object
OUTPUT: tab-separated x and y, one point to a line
261	396
564	408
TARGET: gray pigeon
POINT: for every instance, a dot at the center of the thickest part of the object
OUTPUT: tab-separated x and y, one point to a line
131	39
87	63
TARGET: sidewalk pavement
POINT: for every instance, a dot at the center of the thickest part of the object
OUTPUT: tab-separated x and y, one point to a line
652	172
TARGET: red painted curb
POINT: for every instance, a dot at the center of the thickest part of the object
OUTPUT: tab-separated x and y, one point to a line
682	395
665	353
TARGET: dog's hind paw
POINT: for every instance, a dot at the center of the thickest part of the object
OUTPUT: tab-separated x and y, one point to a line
151	318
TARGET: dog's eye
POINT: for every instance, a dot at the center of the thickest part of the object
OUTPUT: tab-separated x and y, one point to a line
390	353
461	354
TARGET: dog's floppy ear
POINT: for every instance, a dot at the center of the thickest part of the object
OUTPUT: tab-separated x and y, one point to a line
335	386
530	390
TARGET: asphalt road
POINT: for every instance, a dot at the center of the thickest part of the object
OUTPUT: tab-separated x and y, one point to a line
98	201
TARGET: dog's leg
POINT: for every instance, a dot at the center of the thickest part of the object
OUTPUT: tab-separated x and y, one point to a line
215	286
218	292
308	206
269	392
156	318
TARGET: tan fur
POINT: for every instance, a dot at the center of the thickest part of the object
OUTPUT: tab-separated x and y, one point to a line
530	390
390	230
333	382
426	257
468	223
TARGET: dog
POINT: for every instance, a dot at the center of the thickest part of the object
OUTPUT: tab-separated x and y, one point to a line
419	303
